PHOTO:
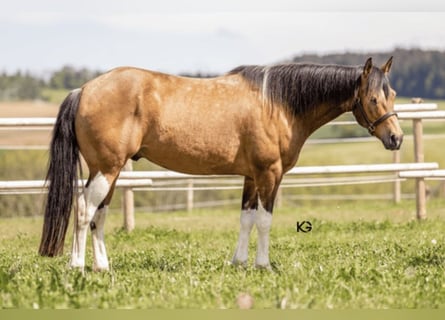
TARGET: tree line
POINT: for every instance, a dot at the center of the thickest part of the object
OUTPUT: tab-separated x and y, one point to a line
24	86
415	73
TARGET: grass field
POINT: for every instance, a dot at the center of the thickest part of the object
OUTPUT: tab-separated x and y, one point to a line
357	256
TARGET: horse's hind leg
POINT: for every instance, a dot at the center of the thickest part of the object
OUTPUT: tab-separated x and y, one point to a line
247	219
89	201
100	259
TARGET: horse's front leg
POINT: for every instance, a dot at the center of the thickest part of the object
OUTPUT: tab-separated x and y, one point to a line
247	220
267	183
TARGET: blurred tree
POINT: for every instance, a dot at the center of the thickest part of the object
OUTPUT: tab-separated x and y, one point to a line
20	86
70	78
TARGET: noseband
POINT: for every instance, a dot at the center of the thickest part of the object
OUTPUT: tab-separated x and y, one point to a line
372	125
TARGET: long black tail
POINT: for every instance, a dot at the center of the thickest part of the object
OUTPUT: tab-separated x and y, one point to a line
62	177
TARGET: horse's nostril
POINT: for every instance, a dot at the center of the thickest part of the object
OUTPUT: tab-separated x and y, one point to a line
394	140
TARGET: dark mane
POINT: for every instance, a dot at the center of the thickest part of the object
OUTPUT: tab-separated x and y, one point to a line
300	87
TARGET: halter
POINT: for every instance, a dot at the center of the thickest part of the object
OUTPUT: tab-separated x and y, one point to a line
372	125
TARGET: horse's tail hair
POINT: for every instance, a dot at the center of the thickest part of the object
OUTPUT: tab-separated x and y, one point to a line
62	177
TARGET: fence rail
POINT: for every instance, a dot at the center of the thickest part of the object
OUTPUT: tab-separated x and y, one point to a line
423	174
22	186
133	179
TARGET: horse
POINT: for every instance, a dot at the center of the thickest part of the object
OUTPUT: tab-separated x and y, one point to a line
251	121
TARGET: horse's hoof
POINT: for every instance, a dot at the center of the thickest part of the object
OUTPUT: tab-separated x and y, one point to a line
101	269
78	268
266	267
239	264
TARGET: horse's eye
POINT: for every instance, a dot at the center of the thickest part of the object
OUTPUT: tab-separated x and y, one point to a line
374	100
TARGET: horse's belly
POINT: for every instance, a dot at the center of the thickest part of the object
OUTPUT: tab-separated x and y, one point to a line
202	153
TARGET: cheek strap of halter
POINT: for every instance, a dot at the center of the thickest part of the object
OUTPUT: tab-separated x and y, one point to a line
372	125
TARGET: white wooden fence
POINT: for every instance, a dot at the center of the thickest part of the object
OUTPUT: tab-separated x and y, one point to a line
131	179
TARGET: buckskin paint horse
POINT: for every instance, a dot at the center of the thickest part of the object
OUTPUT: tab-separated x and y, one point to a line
252	121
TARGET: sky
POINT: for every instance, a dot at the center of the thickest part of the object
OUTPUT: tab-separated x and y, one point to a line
179	36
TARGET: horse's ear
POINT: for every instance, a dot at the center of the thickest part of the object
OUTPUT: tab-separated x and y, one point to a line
387	66
368	67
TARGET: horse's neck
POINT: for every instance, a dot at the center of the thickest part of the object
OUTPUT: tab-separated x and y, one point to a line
323	114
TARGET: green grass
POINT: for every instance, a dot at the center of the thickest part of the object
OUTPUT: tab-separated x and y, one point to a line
358	255
54	95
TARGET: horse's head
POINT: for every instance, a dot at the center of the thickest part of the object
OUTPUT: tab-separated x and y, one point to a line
374	105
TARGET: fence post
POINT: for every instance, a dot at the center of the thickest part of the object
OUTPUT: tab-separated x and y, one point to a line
189	195
397	185
128	202
419	157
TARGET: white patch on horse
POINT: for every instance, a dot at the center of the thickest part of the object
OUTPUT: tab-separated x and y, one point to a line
247	220
100	262
76	90
263	222
88	203
264	87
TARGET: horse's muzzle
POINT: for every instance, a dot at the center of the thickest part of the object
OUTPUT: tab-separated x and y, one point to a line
393	141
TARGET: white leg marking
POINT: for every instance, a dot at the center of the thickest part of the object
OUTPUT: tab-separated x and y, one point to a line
88	203
79	236
263	222
247	221
100	262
